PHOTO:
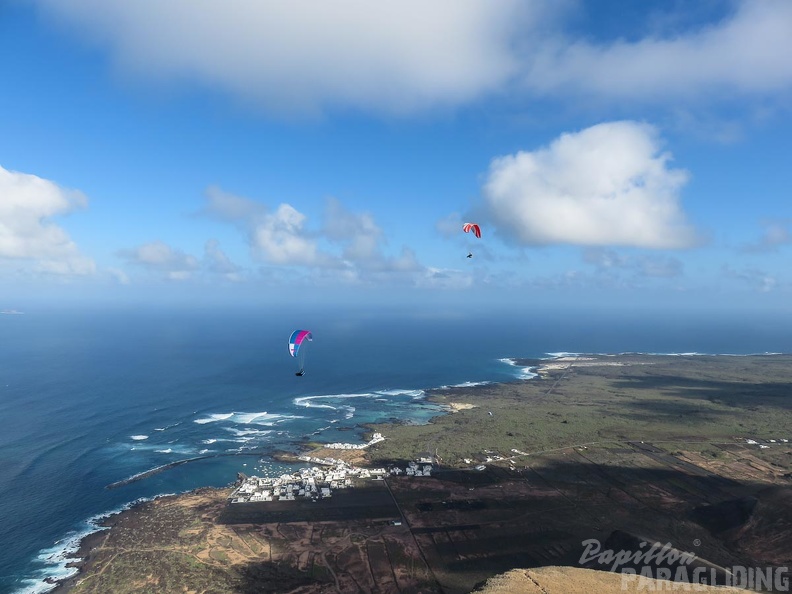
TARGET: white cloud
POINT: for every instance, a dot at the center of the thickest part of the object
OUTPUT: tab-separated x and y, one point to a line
159	257
444	278
280	238
746	52
606	185
364	243
353	246
27	206
217	262
302	55
400	57
283	238
170	263
359	234
226	206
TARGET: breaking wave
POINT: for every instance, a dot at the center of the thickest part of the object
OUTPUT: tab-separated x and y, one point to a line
522	372
246	418
54	560
308	401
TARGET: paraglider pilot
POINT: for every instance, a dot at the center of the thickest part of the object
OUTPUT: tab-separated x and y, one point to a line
298	341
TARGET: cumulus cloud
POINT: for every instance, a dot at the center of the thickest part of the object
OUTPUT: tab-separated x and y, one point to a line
347	246
359	234
745	52
280	237
165	261
606	185
276	237
363	242
159	257
400	57
27	206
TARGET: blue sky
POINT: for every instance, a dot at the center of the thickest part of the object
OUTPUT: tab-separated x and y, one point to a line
255	151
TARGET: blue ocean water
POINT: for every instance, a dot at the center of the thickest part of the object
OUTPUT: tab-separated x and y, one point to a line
91	397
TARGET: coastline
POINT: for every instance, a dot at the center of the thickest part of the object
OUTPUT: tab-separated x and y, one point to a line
80	557
450	397
131	516
85	553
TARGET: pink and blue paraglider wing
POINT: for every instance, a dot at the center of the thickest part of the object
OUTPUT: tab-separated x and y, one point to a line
296	339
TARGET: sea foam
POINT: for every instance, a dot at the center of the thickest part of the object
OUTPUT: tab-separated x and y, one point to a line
214	418
308	401
522	372
246	418
464	385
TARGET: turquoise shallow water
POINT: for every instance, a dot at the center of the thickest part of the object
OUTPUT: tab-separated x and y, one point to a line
88	398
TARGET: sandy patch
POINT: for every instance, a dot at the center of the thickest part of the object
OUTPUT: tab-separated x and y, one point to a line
457	406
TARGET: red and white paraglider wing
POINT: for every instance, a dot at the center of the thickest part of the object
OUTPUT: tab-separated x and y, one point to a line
468	227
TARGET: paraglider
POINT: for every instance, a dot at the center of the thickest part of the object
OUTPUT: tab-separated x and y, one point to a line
468	227
298	343
475	229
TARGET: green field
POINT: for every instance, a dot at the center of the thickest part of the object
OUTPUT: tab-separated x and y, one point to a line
644	398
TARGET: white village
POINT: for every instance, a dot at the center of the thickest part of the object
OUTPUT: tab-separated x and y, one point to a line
318	482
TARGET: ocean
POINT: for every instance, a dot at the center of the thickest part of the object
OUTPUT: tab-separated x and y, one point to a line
91	397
